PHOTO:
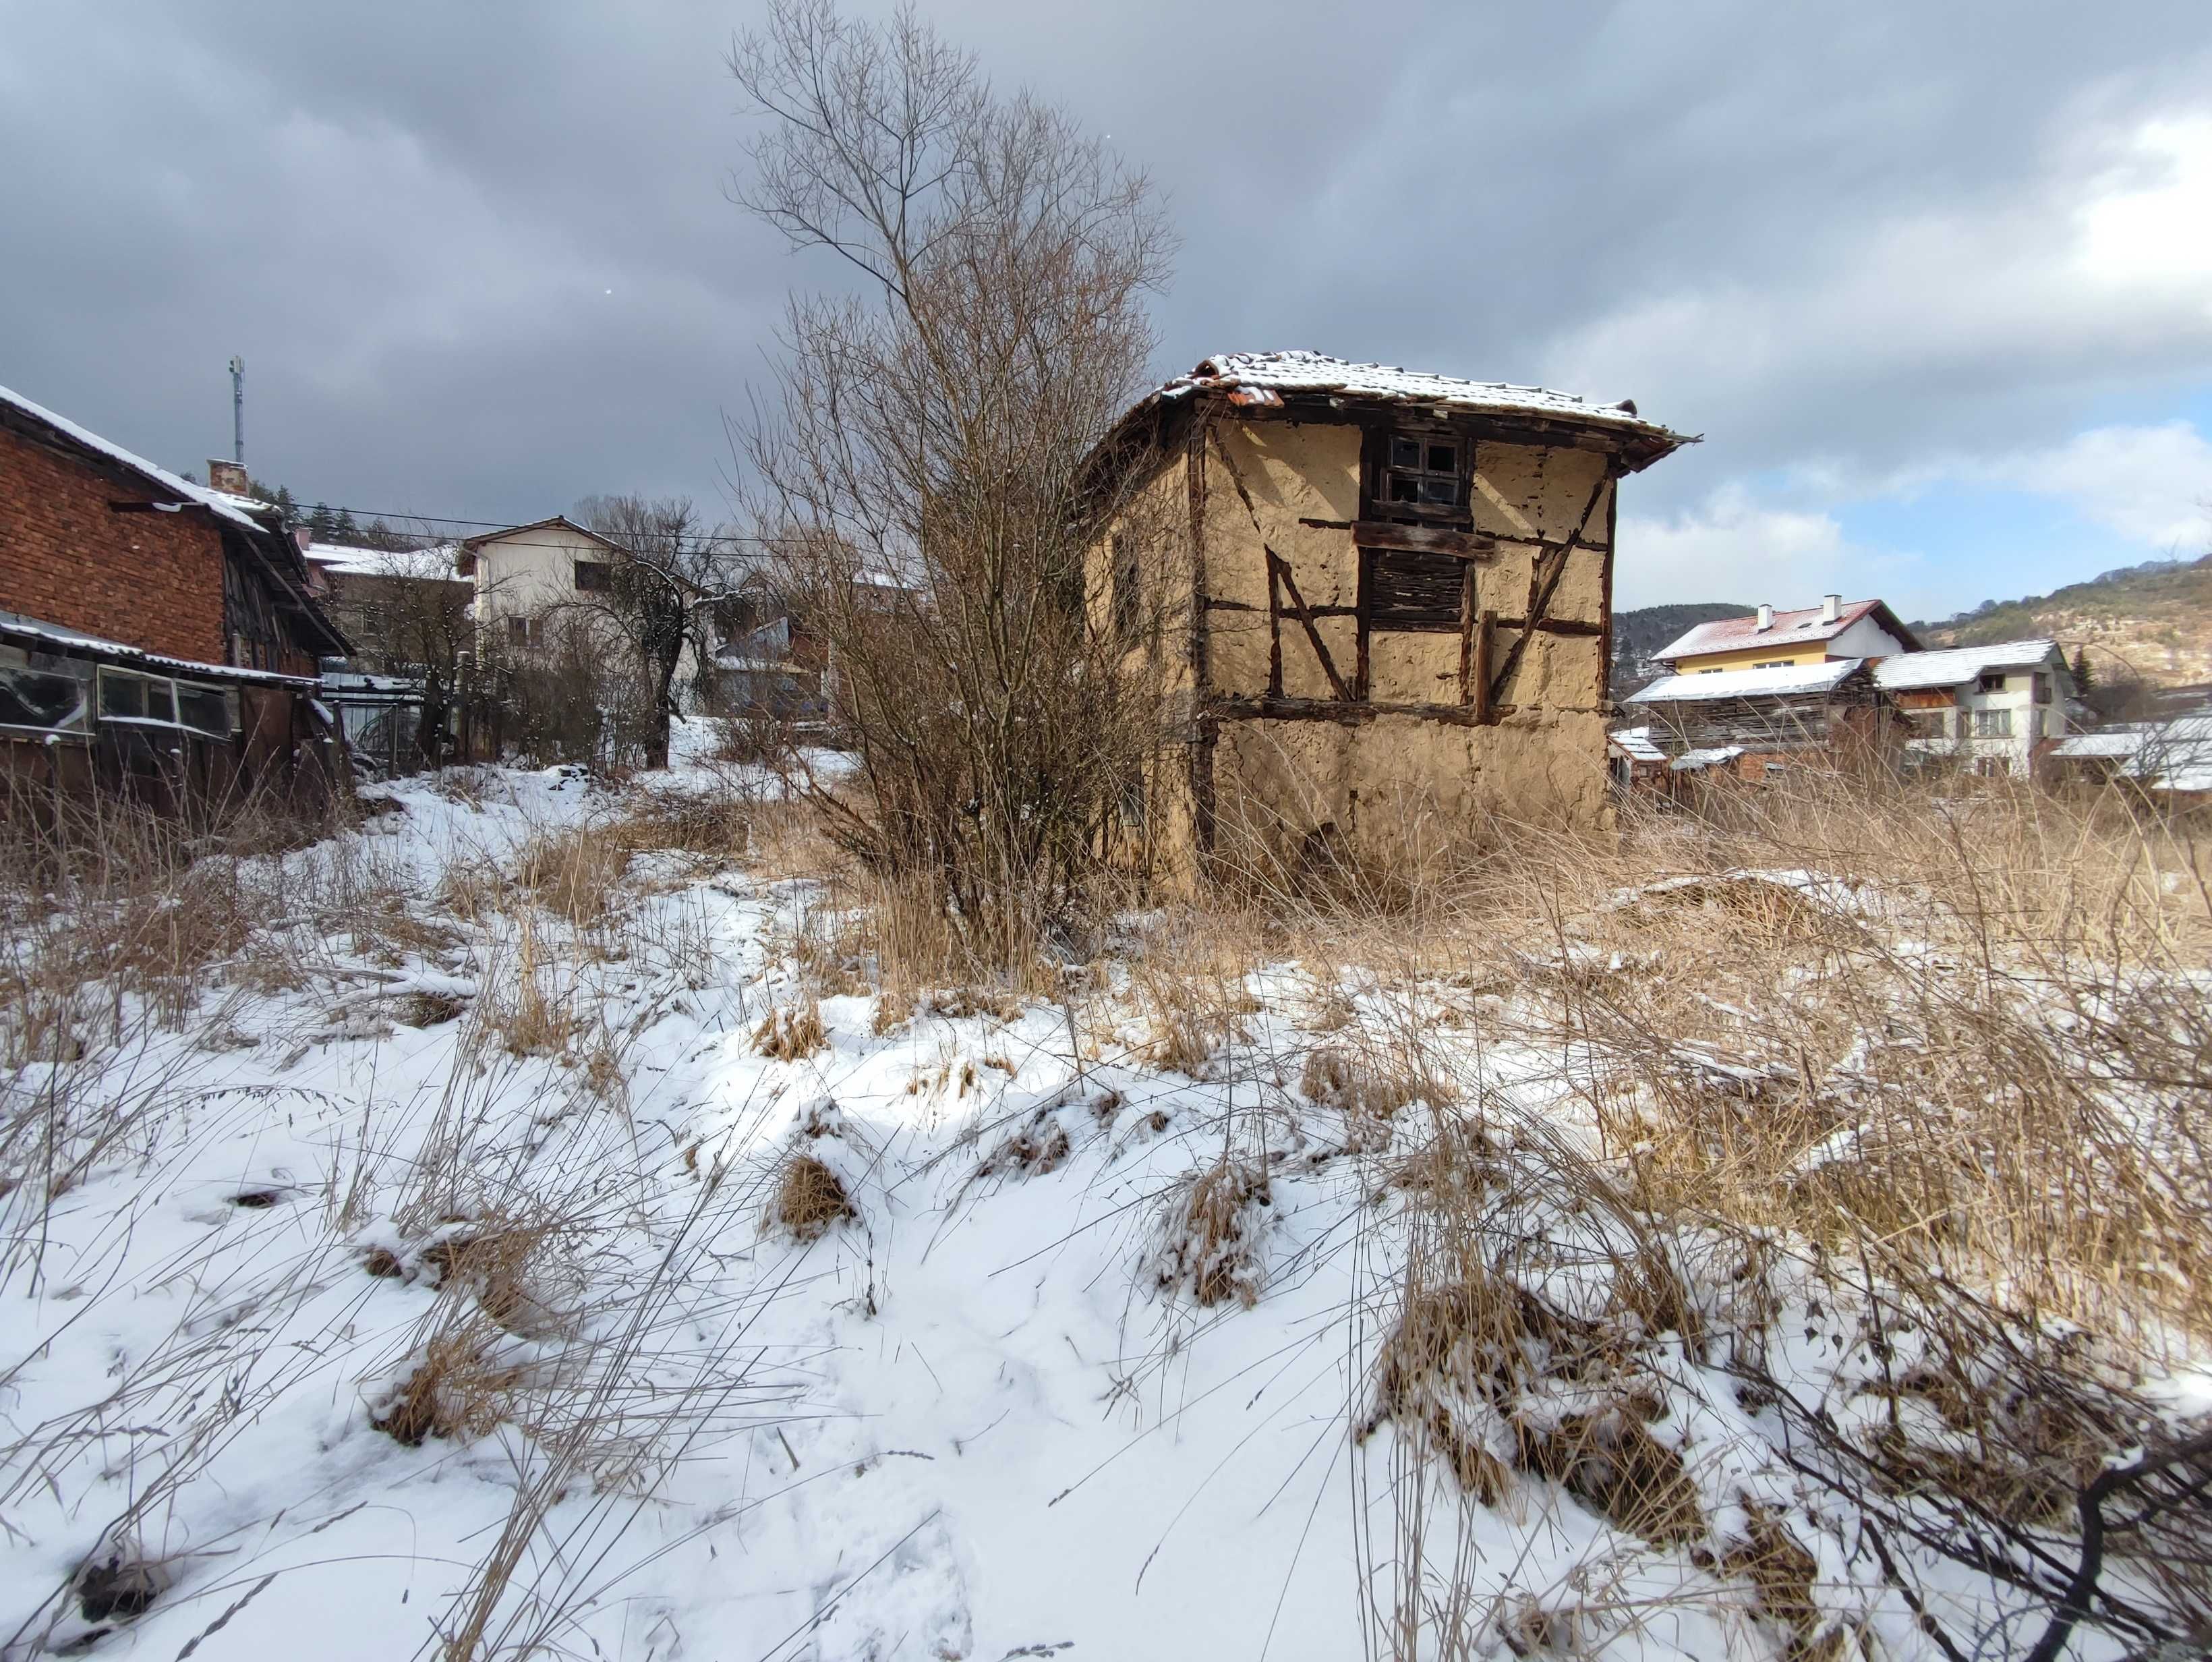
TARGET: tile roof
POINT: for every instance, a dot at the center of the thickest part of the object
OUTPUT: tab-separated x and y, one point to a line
1746	683
1952	665
1261	378
1789	628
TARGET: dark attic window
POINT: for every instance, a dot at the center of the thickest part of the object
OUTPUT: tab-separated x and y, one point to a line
594	577
1423	474
1411	591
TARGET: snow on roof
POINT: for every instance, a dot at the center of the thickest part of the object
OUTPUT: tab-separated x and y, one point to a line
235	508
1269	374
1690	760
1746	683
2115	742
2176	755
1789	628
346	560
1953	664
16	627
1636	742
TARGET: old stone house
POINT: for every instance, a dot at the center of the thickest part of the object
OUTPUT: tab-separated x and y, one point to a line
1379	602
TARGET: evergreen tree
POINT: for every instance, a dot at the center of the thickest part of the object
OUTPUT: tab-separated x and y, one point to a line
2082	679
288	509
343	529
318	524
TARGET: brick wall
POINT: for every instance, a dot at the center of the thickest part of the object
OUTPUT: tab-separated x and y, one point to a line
153	580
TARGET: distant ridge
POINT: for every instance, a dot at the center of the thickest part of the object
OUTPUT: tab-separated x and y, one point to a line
2155	617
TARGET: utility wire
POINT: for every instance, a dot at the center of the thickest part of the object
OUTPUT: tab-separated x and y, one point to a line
694	538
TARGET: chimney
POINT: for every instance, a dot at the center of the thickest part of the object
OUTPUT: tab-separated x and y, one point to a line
229	476
1831	608
1765	618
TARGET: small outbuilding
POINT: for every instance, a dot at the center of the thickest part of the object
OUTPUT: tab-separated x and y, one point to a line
1380	600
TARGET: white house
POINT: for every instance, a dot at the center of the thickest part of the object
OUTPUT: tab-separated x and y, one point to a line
521	574
1989	706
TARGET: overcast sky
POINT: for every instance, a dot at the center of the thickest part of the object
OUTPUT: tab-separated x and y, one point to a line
1934	281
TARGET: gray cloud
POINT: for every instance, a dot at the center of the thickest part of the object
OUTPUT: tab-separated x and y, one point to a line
479	259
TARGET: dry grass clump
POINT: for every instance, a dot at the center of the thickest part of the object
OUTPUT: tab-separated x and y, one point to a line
1365	1086
452	1392
810	1199
576	873
1209	1242
530	1015
1040	1146
792	1034
717	829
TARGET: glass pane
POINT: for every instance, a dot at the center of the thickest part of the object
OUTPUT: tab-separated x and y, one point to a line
1445	492
36	698
1443	459
160	699
205	709
121	695
1404	490
1405	453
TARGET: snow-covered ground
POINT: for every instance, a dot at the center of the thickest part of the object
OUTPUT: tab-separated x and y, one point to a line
986	1415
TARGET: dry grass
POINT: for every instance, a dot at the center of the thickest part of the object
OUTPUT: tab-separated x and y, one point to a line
1209	1240
810	1199
793	1034
1954	1077
576	873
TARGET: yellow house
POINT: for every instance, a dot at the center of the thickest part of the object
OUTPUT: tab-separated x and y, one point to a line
1767	639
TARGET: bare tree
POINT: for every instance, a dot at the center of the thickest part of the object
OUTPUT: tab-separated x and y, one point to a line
663	591
928	473
407	613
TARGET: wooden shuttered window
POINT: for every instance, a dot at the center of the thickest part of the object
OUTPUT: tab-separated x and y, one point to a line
1412	591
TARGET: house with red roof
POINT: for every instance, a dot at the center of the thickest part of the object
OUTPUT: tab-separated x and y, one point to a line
1767	639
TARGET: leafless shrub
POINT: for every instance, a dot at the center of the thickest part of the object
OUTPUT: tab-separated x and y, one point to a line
932	480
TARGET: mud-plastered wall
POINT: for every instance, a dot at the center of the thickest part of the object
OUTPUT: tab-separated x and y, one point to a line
1292	472
1396	782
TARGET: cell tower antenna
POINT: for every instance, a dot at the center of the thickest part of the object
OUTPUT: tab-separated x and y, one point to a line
238	411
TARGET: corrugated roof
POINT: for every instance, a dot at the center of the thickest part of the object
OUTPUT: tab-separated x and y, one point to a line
2123	741
54	637
1636	742
1746	683
1690	760
345	559
2176	755
234	509
1953	664
1790	628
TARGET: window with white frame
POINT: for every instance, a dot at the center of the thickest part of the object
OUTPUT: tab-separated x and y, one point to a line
129	696
1992	724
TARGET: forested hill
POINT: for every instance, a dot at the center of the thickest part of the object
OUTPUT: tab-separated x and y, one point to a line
1640	633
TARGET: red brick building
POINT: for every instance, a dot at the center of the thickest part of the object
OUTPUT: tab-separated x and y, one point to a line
95	540
157	636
